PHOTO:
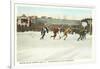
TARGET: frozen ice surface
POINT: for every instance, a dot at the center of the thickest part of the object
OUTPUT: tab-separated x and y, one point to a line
30	48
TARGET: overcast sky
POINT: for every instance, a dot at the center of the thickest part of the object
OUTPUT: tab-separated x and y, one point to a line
55	12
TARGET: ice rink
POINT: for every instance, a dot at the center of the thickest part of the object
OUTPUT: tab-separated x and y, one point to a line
31	49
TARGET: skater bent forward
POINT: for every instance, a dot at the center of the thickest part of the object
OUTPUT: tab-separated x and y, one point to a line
44	31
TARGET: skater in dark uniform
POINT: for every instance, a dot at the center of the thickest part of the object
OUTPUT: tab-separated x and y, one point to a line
44	30
82	34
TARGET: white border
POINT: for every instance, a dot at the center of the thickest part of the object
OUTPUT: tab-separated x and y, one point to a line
13	29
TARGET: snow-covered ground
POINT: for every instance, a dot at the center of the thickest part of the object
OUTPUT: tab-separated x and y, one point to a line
31	49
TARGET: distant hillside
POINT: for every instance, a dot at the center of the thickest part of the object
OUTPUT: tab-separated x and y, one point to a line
62	21
59	21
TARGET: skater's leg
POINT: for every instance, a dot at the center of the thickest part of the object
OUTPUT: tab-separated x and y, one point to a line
62	36
52	36
55	34
42	36
65	37
59	37
79	37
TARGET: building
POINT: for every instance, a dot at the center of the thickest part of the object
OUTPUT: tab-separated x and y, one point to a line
23	22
